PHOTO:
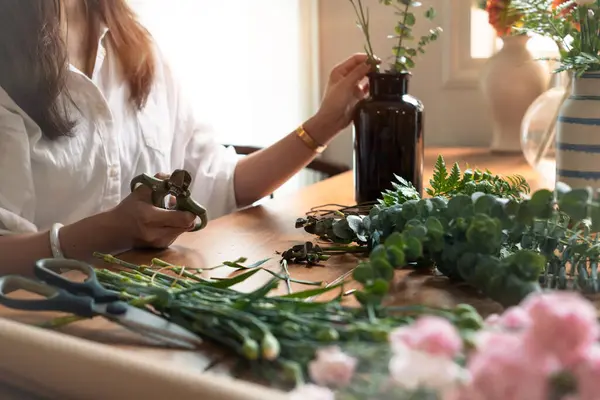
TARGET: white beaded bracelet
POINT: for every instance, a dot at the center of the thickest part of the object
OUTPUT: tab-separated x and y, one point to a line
55	242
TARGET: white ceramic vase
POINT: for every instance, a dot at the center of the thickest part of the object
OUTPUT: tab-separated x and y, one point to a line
511	80
578	134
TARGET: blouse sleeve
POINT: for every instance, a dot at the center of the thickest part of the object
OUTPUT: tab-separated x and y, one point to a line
196	149
17	197
213	167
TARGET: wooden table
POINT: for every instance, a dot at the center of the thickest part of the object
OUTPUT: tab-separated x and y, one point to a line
259	232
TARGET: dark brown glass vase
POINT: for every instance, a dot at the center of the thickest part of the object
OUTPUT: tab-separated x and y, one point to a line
388	137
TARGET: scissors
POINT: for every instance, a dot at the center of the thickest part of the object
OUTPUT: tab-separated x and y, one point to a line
176	185
88	299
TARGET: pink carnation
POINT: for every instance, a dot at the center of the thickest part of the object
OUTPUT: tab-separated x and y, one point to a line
587	373
434	335
311	392
564	324
332	367
504	369
515	318
492	320
413	369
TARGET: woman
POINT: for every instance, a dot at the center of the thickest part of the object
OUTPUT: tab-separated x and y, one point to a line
87	102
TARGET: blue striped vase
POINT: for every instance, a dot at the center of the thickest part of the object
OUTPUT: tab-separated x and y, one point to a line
578	134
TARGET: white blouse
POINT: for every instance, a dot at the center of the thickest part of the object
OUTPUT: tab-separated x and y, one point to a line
66	180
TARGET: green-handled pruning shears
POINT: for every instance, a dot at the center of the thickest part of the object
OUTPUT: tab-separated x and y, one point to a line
176	185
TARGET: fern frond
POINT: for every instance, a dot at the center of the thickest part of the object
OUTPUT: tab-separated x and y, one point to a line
454	177
518	183
474	180
439	181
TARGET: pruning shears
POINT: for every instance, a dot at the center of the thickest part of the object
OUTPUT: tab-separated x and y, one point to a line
177	185
56	291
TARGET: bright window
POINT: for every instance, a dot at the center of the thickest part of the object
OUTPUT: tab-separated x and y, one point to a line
244	63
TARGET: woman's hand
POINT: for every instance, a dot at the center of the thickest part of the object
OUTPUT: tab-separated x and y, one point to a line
255	176
344	90
135	222
144	225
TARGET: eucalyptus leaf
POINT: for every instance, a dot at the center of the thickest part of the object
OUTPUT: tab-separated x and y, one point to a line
342	230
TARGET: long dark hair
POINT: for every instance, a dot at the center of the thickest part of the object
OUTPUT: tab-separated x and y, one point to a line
34	62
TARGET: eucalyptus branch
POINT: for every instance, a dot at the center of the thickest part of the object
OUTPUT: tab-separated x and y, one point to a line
481	230
403	56
401	33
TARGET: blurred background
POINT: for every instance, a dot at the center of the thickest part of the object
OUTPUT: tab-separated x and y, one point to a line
272	59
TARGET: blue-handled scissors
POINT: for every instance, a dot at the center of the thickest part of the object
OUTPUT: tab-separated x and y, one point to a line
88	299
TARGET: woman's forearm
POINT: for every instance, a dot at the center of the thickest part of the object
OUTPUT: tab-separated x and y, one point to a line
261	173
18	253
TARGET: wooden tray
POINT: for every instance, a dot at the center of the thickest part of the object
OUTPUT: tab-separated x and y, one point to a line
39	364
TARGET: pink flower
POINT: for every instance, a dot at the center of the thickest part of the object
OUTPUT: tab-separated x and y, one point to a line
311	392
492	320
587	373
434	335
412	369
515	318
562	324
503	368
332	367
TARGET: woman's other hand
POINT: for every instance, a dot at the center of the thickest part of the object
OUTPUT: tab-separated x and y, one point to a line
345	88
144	225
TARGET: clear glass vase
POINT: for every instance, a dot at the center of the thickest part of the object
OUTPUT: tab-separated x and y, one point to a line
538	130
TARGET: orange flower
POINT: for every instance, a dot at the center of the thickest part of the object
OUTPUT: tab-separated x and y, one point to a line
501	16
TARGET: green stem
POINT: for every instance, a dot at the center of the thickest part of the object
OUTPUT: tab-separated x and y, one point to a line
286	276
161	263
110	259
229	313
371	314
556	30
401	36
364	24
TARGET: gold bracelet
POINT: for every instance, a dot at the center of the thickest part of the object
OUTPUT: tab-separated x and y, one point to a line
309	141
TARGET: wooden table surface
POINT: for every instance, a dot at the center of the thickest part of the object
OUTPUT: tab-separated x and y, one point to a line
259	232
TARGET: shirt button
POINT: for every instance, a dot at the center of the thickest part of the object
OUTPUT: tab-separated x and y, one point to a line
114	172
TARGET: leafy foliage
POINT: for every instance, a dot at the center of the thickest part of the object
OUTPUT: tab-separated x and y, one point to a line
307	252
500	243
403	191
403	54
474	180
574	28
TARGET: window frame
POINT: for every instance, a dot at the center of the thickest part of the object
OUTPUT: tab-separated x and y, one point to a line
459	69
